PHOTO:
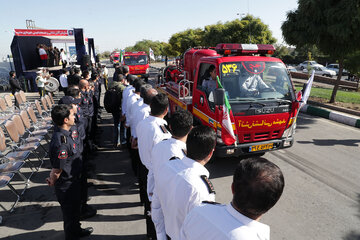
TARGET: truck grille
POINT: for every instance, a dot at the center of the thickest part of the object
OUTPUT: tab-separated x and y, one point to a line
261	136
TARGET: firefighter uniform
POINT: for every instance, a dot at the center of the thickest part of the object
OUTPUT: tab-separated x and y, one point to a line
150	131
213	221
182	185
161	154
65	154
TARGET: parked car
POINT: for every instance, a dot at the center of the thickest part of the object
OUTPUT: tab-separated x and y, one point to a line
335	67
291	69
305	64
321	70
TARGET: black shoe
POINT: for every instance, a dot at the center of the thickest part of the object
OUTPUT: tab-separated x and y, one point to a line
87	212
86	232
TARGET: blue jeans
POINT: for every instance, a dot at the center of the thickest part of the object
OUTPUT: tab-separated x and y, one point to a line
118	127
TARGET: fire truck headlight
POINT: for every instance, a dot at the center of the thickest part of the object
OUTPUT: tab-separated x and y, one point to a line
289	132
147	71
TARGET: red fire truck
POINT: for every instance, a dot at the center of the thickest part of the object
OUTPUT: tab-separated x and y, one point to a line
115	57
258	88
138	63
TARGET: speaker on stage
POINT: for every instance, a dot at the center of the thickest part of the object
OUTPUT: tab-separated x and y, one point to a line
86	62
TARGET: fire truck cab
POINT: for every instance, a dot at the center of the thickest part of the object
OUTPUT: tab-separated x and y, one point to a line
258	88
138	63
115	57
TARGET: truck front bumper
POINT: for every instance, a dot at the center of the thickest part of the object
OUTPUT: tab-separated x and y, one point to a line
145	75
244	149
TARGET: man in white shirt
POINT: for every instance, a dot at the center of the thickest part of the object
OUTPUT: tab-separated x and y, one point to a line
183	183
105	75
133	149
141	108
253	85
63	58
151	131
40	81
257	186
63	80
181	122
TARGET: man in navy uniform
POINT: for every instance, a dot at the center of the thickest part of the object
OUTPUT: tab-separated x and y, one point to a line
65	158
87	211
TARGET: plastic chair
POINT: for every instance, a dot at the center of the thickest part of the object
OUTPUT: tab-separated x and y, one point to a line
44	104
40	125
23	96
5	179
51	98
18	145
44	115
13	156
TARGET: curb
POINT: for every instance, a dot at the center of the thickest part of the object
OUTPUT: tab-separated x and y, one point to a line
331	115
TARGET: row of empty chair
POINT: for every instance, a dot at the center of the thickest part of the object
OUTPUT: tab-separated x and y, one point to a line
23	132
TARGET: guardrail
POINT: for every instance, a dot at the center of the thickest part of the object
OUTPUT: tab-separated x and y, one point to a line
327	80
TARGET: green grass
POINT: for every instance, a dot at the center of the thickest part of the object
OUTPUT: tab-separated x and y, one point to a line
341	96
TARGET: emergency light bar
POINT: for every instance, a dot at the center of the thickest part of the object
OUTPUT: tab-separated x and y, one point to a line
139	52
236	48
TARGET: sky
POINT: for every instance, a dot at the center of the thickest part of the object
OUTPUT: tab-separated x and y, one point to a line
118	24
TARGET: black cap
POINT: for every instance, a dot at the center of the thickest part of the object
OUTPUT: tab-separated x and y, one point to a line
69	100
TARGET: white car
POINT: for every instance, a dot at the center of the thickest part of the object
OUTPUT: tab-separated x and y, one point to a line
321	70
305	64
335	67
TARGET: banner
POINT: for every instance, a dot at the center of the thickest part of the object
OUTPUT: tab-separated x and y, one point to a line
43	32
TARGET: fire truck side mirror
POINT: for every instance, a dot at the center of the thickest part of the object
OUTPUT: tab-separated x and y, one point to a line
219	96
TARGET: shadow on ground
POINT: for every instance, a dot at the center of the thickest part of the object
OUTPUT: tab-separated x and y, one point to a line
112	176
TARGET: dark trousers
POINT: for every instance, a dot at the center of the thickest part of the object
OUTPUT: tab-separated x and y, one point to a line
94	120
68	195
88	139
150	228
41	91
116	118
83	183
64	64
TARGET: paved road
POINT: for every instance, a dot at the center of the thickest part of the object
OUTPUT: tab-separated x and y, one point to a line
321	198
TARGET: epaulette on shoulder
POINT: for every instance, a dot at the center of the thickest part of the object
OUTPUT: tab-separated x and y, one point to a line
63	139
163	129
210	202
208	184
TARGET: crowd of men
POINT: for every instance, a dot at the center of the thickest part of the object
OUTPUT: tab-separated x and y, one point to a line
168	159
71	147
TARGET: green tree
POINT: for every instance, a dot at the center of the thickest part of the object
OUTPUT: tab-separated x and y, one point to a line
248	29
352	63
331	25
181	41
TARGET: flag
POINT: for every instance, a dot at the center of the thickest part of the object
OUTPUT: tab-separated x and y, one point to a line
151	54
227	132
307	90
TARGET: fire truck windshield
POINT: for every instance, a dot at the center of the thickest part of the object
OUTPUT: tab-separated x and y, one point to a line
252	81
135	60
